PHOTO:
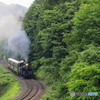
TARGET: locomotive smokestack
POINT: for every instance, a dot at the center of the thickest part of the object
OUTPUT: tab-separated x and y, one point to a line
19	43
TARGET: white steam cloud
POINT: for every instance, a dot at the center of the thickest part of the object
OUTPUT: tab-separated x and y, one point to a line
19	43
10	29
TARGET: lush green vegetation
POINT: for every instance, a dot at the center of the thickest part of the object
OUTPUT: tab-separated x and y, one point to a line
65	51
9	86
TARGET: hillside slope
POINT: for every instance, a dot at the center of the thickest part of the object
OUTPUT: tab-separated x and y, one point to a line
9	85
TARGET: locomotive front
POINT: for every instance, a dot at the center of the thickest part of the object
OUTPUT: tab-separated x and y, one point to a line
26	71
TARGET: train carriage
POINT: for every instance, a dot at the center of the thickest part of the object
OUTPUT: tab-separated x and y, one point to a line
20	67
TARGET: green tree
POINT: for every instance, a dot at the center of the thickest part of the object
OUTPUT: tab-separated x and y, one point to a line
45	25
30	22
84	78
52	25
86	26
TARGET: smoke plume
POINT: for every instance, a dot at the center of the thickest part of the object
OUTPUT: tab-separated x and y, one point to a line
9	16
10	29
19	43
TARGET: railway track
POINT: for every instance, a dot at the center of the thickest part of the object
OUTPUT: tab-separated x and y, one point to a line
31	89
31	92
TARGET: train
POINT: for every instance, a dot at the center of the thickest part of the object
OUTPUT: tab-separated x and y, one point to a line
21	68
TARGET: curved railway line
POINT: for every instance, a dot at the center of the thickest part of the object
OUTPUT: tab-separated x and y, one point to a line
30	89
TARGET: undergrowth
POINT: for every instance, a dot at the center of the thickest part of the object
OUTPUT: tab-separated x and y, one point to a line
9	85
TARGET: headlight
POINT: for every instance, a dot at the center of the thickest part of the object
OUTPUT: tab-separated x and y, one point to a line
26	64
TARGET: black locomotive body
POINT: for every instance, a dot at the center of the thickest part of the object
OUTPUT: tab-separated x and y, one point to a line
20	68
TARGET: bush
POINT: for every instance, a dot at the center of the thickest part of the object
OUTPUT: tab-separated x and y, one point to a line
91	55
84	78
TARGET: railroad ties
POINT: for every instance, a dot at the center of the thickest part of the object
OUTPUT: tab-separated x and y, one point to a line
34	91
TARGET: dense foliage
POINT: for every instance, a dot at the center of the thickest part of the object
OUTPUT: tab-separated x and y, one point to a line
9	86
65	50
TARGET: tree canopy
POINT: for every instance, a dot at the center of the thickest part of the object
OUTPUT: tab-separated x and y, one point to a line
65	50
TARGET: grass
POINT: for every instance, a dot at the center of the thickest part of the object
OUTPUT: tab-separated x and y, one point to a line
9	85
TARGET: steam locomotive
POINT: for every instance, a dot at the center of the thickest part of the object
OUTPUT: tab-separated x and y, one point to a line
21	68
